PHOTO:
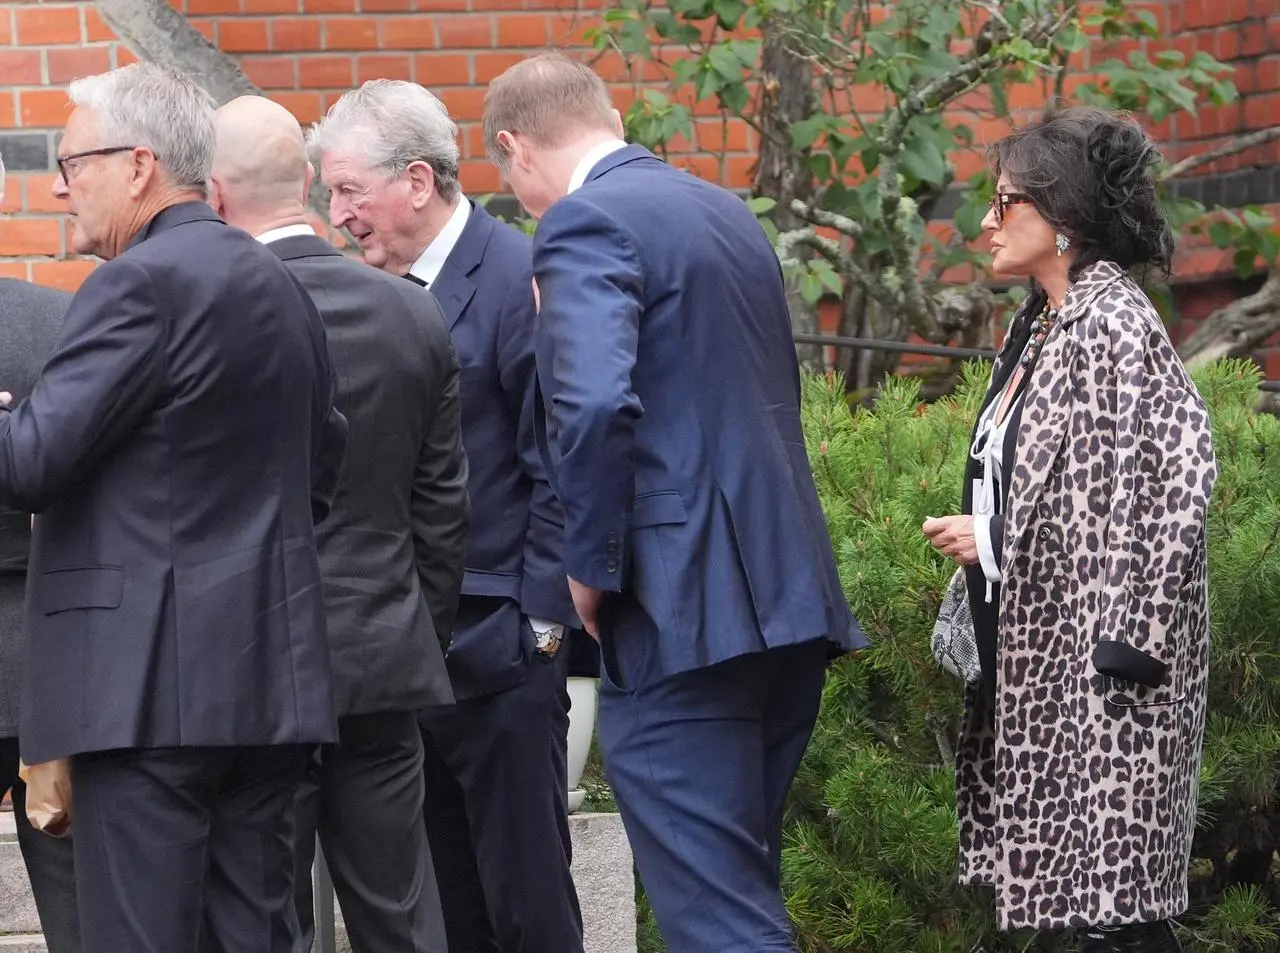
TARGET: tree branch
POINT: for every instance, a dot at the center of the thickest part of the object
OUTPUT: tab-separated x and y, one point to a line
821	217
1234	147
1236	329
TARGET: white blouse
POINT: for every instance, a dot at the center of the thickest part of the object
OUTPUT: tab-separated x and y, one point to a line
988	449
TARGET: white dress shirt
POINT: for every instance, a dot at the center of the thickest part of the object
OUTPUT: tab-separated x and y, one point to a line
288	231
427	267
589	161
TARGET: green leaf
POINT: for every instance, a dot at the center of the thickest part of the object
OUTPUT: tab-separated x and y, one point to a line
761	204
831	281
1245	259
882	44
736	98
925	162
810	288
729	13
1150	24
968	218
999	94
707	83
898	77
807	131
725	62
1168	59
1256	218
1220	233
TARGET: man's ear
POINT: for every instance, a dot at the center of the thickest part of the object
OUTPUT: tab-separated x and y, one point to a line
422	184
512	147
143	171
215	197
307	183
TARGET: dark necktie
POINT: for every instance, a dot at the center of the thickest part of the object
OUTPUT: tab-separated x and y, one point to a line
416	280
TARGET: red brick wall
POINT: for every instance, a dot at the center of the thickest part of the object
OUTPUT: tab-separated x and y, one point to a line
304	53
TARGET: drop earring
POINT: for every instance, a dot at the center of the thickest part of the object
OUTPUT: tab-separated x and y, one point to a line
1063	243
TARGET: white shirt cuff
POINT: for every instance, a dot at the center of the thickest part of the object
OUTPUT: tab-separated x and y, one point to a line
986	553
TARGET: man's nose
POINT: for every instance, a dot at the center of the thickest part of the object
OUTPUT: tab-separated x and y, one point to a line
59	187
339	212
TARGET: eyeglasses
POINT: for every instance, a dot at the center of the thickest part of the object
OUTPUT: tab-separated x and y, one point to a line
1002	200
66	170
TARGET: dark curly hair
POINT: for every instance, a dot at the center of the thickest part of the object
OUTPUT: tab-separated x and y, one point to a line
1091	175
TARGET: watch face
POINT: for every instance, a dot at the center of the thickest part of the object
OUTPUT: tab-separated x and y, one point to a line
548	643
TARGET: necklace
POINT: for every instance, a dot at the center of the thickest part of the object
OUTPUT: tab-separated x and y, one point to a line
1044	324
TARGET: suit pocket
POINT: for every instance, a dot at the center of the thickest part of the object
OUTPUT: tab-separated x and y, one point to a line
91	587
479	582
663	508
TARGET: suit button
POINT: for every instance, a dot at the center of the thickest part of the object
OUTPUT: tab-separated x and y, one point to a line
611	565
1045	534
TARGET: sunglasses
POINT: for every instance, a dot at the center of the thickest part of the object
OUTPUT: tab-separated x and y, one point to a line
1002	200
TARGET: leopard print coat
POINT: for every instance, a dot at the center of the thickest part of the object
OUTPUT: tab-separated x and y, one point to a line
1077	793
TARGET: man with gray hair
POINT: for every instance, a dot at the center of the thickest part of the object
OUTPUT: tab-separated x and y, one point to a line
30	319
177	446
495	762
391	550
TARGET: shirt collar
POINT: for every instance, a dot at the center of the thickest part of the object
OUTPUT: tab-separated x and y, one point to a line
589	161
432	259
287	231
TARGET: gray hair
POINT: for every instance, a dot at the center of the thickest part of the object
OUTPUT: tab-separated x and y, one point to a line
158	107
394	123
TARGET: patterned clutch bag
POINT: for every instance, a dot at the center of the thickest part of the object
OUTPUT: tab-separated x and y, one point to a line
955	647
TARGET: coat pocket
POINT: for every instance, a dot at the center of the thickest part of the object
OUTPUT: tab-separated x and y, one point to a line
88	587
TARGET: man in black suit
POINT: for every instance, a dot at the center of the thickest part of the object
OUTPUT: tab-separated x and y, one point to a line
391	551
176	447
495	761
30	319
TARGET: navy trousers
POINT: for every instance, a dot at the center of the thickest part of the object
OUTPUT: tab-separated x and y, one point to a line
700	764
180	850
50	863
497	817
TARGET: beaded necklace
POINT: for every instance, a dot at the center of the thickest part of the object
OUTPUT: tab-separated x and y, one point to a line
1044	324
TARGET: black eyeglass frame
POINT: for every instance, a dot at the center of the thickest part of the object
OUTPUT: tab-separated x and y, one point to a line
108	151
1002	200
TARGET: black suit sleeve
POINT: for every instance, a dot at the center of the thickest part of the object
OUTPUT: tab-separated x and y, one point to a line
544	589
440	508
104	377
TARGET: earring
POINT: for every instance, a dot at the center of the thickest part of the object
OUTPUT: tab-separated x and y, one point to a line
1063	243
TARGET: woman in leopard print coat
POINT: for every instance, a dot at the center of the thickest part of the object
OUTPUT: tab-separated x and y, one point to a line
1088	483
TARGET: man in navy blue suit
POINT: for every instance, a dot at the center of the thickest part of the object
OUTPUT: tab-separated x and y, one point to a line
496	795
695	545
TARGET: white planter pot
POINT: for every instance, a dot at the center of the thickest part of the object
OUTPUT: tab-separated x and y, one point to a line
582	727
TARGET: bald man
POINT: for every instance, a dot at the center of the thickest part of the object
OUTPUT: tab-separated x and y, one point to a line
391	549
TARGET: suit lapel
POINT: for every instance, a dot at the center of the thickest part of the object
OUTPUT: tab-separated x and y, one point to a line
453	287
454	290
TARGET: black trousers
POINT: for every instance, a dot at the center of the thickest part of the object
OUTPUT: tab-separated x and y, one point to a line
363	796
180	850
50	863
497	817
